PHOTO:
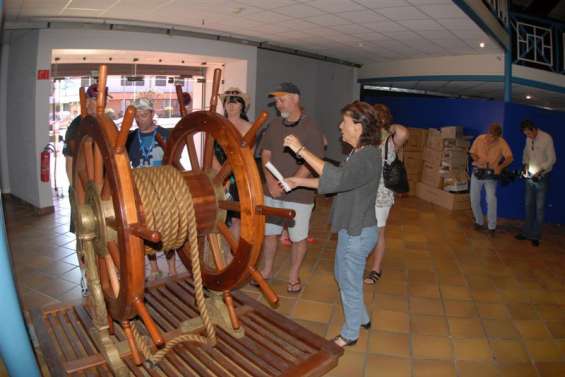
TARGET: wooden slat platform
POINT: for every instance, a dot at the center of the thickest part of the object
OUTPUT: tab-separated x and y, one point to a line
273	345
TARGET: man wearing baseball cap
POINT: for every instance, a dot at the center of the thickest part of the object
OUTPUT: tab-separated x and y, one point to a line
68	150
292	120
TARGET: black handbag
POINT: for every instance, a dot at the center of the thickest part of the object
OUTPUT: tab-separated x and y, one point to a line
394	174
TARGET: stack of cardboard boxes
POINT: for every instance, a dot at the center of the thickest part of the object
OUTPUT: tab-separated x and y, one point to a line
412	155
444	170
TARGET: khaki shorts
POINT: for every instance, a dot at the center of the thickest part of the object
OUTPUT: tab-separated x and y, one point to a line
301	225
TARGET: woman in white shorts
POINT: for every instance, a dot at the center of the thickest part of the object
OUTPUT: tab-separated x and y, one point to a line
395	135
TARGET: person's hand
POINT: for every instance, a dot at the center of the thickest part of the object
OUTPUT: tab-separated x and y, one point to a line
274	188
497	170
292	182
293	143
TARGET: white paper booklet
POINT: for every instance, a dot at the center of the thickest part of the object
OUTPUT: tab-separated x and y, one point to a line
277	174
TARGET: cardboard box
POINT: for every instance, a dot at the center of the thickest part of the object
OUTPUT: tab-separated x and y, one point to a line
413	185
451	132
434	140
431	176
415	155
451	201
417	139
413	164
432	156
461	143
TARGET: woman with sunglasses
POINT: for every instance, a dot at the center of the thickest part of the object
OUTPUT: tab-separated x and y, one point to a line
236	104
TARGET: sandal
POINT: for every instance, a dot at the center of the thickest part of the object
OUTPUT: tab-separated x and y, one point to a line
372	277
294	287
346	342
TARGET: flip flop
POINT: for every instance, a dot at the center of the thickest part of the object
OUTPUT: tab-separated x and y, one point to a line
372	277
294	287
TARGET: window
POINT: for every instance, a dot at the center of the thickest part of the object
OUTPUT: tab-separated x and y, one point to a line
133	81
85	82
160	80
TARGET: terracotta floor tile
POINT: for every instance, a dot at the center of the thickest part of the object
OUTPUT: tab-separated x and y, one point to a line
509	351
486	295
460	308
472	349
316	327
517	370
544	350
386	320
351	364
551	311
556	328
426	306
432	347
428	325
475	369
390	302
312	311
393	344
433	368
424	290
451	292
551	369
390	366
493	311
465	328
322	292
532	329
501	329
522	311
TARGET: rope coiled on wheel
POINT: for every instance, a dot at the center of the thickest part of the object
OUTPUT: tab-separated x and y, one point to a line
169	209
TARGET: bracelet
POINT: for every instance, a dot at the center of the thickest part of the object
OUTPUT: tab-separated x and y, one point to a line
299	150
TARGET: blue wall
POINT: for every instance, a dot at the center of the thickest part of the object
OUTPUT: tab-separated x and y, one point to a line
475	116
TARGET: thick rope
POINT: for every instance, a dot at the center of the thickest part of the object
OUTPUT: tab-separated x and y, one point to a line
169	209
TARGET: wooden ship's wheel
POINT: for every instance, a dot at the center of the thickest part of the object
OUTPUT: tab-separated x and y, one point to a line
118	212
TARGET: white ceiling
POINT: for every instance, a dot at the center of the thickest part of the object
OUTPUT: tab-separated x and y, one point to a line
360	31
482	89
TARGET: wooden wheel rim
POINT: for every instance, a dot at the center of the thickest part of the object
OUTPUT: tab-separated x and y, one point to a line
117	174
240	158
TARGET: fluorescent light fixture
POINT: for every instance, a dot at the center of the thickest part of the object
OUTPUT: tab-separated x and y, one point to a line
482	45
528	96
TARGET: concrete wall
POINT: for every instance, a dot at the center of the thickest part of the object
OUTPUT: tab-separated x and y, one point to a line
325	87
22	145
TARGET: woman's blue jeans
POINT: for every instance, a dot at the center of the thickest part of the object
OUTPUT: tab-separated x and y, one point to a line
350	259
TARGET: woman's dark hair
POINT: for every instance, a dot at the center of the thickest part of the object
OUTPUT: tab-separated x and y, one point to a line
527	125
366	115
234	99
384	114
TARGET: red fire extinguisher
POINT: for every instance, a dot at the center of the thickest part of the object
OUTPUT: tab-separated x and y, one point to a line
45	163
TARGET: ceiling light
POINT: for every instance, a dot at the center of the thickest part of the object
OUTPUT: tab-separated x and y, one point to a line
528	97
482	45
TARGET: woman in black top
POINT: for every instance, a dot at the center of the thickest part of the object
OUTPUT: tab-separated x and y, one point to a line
353	217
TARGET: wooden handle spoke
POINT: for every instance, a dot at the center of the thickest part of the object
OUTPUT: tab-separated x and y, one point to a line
114	252
273	211
216	248
194	164
89	158
223	174
251	135
180	99
101	98
224	231
148	321
229	205
82	96
228	299
98	167
106	192
124	130
136	356
265	287
215	89
145	233
208	152
112	274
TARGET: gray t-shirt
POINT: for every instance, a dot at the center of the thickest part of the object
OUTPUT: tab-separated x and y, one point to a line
355	183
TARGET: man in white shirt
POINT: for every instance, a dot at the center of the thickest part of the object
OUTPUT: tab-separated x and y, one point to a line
538	160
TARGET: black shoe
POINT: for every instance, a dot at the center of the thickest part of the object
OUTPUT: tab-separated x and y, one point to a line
535	243
491	232
367	325
477	226
520	237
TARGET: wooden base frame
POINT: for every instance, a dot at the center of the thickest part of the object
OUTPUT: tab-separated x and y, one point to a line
273	345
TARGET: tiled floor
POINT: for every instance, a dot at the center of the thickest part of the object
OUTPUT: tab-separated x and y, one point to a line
452	301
